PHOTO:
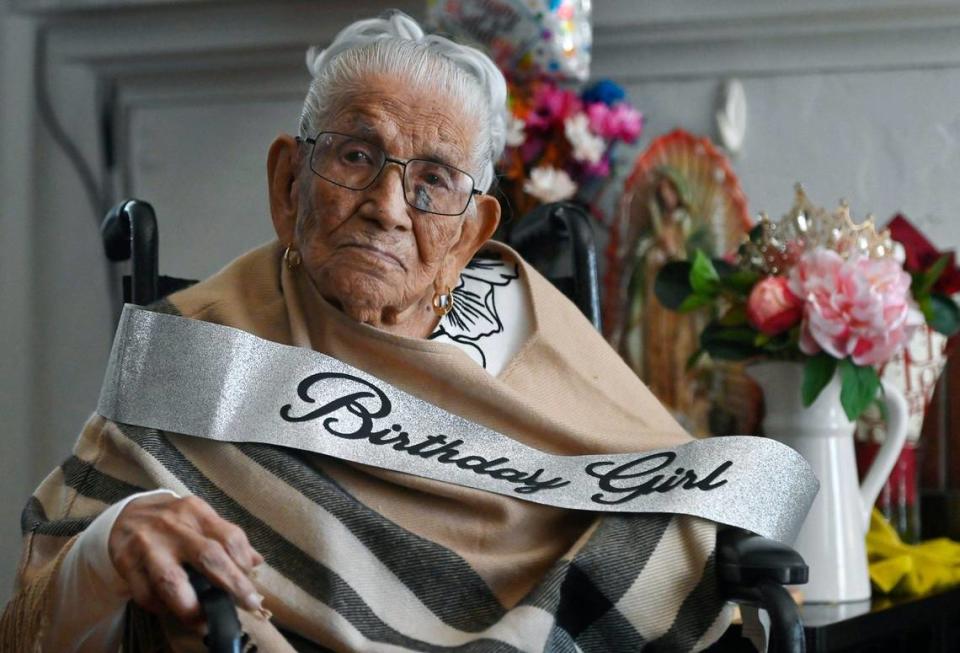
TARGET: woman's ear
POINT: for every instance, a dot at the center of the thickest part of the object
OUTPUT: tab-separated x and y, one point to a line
474	232
488	217
283	167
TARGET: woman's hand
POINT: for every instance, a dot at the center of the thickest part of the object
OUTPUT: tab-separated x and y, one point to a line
153	537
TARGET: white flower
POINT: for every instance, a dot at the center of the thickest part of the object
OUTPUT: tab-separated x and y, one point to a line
549	184
587	146
515	127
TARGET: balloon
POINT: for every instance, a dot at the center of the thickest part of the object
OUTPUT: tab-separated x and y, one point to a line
526	38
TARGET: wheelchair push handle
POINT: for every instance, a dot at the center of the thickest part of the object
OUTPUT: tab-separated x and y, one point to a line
130	232
224	633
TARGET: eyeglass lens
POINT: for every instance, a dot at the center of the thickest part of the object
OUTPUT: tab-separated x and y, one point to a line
427	185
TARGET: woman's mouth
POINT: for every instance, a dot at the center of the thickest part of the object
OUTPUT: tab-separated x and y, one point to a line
380	253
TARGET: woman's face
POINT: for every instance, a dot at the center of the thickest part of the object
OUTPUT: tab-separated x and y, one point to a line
369	252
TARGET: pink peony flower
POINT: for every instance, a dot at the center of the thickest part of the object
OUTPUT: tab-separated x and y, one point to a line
772	308
621	121
859	308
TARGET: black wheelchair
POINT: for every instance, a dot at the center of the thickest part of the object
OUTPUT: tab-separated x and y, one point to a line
557	239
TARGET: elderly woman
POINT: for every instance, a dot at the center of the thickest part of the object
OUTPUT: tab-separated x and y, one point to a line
382	221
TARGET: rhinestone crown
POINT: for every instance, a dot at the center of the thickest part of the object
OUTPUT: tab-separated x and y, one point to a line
772	248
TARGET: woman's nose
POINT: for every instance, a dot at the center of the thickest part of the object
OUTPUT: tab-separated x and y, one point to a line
385	201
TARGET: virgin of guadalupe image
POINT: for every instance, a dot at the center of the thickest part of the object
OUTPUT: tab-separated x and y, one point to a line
681	197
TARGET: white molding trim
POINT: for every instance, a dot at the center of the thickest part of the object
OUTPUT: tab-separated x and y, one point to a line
790	15
222	34
64	6
633	41
654	40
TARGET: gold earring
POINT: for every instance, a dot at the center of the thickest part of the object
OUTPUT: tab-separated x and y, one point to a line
443	302
291	257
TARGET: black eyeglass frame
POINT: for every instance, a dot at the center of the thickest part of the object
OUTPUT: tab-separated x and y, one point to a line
388	159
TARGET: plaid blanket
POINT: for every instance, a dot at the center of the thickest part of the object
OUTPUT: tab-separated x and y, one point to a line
356	581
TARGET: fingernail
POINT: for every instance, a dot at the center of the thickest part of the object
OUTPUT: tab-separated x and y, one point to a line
254	601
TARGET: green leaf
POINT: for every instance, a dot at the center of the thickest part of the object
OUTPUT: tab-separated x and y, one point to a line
945	315
728	343
693	302
817	373
916	282
723	268
703	276
926	307
740	281
761	340
933	273
779	342
672	285
858	387
742	335
735	316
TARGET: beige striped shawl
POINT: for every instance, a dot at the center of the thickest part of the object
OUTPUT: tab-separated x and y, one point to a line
363	559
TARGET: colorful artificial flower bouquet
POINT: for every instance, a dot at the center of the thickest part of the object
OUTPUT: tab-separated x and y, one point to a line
560	143
817	288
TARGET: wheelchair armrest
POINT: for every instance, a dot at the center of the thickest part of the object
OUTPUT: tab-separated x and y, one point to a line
224	634
753	569
744	559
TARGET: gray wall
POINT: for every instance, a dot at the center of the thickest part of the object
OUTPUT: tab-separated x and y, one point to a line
16	287
856	99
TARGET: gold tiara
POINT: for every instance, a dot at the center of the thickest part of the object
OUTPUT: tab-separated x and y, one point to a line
773	247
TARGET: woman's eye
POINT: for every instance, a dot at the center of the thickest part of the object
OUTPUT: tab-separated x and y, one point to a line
356	157
434	179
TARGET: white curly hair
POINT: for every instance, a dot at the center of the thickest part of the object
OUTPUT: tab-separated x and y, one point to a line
395	45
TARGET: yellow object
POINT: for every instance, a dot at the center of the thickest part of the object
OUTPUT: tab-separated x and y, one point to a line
910	569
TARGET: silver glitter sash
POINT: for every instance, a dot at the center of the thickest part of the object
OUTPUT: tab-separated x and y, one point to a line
216	382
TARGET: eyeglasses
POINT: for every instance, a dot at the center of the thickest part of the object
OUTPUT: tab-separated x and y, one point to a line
355	164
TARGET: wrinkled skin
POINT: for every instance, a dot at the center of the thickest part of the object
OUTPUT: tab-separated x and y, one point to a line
370	254
152	538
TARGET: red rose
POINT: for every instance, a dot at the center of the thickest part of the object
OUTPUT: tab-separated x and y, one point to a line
772	308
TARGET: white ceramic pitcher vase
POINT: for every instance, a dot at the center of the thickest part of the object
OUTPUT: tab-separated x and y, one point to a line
831	539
